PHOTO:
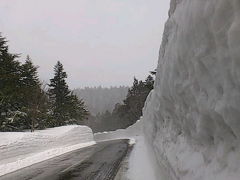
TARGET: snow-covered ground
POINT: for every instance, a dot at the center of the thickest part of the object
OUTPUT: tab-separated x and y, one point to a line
21	149
132	131
192	118
141	165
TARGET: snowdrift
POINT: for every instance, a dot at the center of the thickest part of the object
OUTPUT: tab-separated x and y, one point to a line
192	118
21	149
141	165
130	132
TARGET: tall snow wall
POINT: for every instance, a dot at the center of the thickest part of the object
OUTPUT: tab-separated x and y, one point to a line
192	117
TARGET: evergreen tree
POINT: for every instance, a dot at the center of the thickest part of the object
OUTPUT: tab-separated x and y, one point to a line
59	95
29	74
10	101
76	109
66	107
33	97
149	82
127	113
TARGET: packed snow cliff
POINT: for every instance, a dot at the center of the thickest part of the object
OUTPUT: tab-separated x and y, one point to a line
192	118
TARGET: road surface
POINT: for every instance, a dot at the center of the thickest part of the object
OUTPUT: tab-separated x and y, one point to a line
98	162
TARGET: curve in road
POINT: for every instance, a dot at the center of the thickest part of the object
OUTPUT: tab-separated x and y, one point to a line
98	162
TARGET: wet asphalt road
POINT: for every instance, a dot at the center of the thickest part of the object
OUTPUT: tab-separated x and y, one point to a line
98	162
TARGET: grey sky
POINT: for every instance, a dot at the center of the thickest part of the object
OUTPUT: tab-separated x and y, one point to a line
99	42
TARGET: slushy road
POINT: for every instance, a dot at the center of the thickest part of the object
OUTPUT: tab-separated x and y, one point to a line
98	162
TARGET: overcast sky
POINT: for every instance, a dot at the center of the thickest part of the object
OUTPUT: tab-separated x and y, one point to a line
99	42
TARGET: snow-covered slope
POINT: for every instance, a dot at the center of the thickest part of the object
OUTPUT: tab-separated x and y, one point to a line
192	118
21	149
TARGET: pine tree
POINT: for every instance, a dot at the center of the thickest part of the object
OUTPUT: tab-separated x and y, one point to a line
131	110
29	74
149	82
33	97
65	106
10	101
59	96
23	104
76	109
134	89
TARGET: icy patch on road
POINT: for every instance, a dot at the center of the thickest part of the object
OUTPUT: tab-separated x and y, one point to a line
22	149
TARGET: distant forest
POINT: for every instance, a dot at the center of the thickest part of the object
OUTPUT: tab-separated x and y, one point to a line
125	113
99	100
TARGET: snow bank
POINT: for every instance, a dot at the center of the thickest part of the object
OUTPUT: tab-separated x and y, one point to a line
132	131
141	165
19	150
192	118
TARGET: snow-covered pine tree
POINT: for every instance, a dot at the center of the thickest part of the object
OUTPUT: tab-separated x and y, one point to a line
10	101
29	74
33	97
66	108
58	93
77	110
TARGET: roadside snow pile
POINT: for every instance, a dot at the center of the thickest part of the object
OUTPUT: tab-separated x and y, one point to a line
22	149
192	118
141	165
132	131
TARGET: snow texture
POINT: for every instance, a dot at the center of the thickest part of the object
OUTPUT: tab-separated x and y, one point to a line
22	149
192	117
141	164
132	131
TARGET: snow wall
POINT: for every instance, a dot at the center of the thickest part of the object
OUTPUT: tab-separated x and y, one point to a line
192	117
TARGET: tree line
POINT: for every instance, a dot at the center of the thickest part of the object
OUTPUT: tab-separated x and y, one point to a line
126	113
100	99
26	103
